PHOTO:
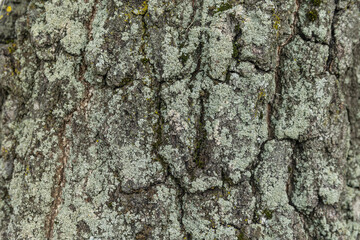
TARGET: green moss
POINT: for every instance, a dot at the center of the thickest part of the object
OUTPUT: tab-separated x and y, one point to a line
110	205
259	102
145	60
184	58
143	10
312	15
237	29
198	159
9	41
242	236
276	22
125	81
236	51
223	7
268	214
316	2
12	48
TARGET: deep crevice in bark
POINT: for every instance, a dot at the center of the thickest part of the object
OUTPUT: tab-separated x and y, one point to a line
278	86
290	186
254	182
332	45
158	157
59	177
158	131
307	39
200	155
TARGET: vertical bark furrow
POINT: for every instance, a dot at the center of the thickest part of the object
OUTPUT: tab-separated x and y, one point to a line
59	177
278	86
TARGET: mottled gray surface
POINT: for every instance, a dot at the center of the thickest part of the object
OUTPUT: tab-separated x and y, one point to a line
180	119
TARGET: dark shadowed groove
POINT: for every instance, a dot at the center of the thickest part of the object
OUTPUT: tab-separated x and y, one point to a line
332	45
199	157
278	86
158	128
64	146
290	186
253	182
156	86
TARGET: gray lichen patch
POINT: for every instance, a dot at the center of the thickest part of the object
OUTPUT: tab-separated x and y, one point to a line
224	110
131	150
329	183
273	176
236	119
51	26
347	37
117	161
315	20
189	138
317	198
219	50
61	86
256	32
304	78
75	39
10	11
153	212
219	213
30	188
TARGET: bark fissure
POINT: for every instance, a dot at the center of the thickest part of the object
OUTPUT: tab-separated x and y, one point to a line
156	86
278	86
332	45
254	182
311	40
64	144
59	184
290	186
307	218
199	157
158	157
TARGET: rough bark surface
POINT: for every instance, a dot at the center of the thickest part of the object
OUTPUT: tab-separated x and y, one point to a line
180	119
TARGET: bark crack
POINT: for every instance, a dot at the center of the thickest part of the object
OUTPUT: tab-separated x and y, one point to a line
64	144
278	86
253	181
158	157
59	181
156	85
332	45
199	157
290	186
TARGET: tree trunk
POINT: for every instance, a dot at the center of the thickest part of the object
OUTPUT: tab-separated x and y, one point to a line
180	119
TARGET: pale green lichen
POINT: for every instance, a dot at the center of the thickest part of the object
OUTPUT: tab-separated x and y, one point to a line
272	174
331	184
316	19
30	197
302	118
75	39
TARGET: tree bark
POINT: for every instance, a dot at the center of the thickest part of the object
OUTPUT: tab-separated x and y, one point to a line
180	119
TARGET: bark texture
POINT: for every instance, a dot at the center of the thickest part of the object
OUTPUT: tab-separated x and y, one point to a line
180	119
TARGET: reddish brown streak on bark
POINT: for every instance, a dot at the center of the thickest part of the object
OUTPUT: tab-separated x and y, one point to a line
60	179
60	183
